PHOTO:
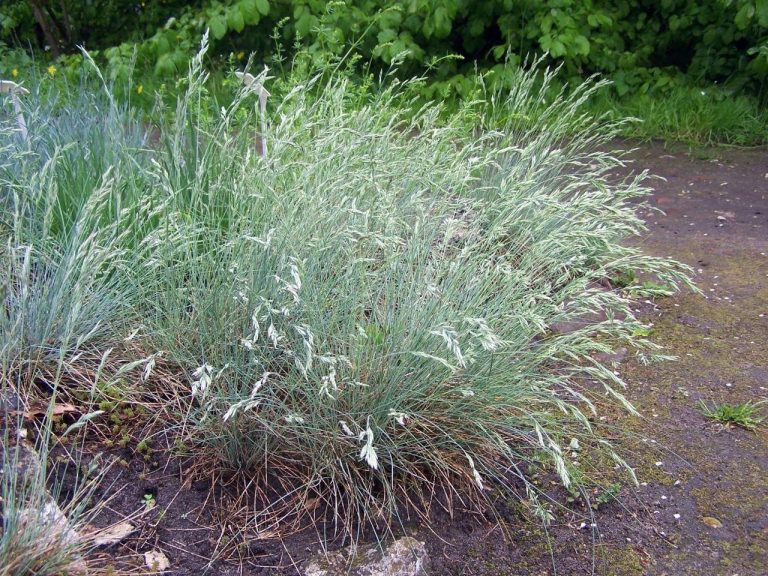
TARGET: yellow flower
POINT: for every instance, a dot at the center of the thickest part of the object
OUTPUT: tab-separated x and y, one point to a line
51	69
240	55
139	89
14	73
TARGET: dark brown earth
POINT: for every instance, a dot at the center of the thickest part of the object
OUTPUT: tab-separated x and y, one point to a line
694	473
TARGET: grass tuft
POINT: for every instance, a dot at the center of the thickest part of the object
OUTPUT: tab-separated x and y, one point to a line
42	531
692	115
745	415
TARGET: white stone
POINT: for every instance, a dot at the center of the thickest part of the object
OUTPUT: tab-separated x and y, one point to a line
404	557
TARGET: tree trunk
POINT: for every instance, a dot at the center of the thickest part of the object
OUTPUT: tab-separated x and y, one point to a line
51	35
62	26
67	24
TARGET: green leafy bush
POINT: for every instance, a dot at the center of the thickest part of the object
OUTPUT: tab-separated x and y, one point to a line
642	45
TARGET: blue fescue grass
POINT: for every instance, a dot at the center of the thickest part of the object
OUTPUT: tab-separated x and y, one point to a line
366	316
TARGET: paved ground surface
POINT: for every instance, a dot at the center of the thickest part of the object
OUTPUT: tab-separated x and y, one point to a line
716	206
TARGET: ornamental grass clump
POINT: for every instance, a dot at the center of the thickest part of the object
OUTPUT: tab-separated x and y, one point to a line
70	209
368	316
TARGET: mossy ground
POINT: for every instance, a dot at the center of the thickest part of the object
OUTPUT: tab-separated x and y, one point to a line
716	223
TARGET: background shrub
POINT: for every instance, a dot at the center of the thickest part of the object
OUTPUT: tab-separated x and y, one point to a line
641	45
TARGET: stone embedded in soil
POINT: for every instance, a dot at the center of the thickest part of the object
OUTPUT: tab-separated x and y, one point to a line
156	561
616	357
42	514
404	557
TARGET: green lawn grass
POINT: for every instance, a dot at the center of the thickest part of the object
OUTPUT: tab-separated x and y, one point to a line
700	116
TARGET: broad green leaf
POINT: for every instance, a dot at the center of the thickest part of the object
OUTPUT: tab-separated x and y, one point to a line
218	26
546	24
442	22
162	45
744	15
235	20
390	18
619	83
476	27
761	7
546	42
164	65
263	6
304	23
558	48
386	35
428	28
582	45
249	11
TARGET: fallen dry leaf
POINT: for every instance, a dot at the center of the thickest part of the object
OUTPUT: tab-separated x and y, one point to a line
58	410
114	534
156	561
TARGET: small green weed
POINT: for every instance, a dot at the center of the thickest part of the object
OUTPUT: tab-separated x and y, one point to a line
642	332
649	289
745	415
149	500
624	278
606	495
